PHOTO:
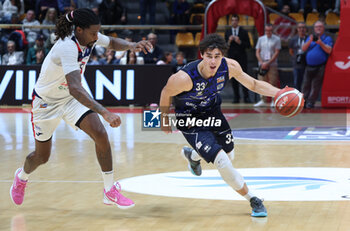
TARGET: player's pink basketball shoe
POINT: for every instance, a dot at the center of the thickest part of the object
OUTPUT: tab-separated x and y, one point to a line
17	189
114	197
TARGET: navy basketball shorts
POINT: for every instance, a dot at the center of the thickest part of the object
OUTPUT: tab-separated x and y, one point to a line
209	140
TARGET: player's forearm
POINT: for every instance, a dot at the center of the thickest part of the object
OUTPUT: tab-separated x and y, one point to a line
264	88
120	44
80	94
165	102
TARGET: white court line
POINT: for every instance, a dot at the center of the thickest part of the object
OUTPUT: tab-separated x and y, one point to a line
57	181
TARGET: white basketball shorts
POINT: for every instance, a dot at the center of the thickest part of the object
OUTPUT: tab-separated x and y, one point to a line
47	116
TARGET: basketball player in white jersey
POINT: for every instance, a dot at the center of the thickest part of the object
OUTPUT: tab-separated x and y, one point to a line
58	94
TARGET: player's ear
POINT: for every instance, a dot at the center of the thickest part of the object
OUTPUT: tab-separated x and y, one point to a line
78	29
201	55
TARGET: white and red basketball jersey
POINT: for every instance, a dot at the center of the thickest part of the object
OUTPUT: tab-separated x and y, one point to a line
65	56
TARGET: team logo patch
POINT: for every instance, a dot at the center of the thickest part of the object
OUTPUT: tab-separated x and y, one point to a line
272	184
220	79
220	86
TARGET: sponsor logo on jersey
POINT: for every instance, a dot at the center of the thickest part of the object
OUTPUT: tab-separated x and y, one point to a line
220	79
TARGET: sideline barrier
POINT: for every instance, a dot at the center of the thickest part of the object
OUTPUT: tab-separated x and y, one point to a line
112	85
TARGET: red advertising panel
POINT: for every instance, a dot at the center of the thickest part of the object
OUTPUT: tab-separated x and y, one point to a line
336	84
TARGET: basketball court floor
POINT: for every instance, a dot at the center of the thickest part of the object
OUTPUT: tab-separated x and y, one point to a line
299	165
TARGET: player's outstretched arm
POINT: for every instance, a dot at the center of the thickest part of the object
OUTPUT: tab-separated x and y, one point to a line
257	86
122	45
176	84
80	94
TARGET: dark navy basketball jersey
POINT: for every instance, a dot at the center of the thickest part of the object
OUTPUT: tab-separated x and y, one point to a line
204	94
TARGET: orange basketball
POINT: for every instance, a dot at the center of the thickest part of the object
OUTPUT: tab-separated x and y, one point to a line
289	102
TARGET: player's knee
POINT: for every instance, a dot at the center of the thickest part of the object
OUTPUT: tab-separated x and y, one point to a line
100	135
222	160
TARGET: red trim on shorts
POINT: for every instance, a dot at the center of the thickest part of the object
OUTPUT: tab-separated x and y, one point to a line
31	119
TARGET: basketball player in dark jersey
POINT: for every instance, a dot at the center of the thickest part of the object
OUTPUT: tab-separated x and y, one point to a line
195	89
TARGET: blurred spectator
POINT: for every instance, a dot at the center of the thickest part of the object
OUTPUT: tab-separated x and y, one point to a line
313	5
180	61
318	46
65	6
43	6
9	8
238	41
12	57
150	6
156	53
109	58
112	12
294	4
295	50
39	57
50	19
180	14
91	4
39	45
29	5
166	59
283	26
31	33
50	41
93	59
337	7
131	59
267	50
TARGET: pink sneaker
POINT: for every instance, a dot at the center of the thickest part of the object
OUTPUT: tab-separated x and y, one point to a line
17	189
113	196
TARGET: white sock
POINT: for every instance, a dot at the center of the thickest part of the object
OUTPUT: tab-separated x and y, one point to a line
108	180
23	176
249	195
195	156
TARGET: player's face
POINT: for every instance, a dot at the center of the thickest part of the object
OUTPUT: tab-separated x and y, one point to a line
88	36
212	60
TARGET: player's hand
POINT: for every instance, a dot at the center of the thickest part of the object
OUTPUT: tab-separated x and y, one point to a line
113	119
166	127
143	45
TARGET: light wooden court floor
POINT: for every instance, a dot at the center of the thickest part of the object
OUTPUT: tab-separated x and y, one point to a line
66	193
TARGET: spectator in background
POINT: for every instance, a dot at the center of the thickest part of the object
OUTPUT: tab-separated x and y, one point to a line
318	46
39	45
180	61
313	5
294	4
283	26
167	59
50	19
9	8
39	57
295	50
155	54
43	6
131	58
127	34
91	4
238	41
31	33
267	50
112	12
150	6
180	14
65	6
109	58
12	57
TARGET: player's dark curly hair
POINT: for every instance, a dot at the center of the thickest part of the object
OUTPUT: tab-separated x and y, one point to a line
82	17
212	41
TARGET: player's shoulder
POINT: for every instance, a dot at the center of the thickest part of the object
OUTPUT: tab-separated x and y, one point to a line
230	62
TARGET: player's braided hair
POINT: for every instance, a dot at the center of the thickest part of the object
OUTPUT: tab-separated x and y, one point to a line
82	17
212	41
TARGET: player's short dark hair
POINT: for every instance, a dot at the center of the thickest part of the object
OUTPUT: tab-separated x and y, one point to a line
235	16
82	17
212	41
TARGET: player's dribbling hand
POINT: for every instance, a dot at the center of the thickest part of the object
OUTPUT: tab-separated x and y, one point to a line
113	119
144	46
